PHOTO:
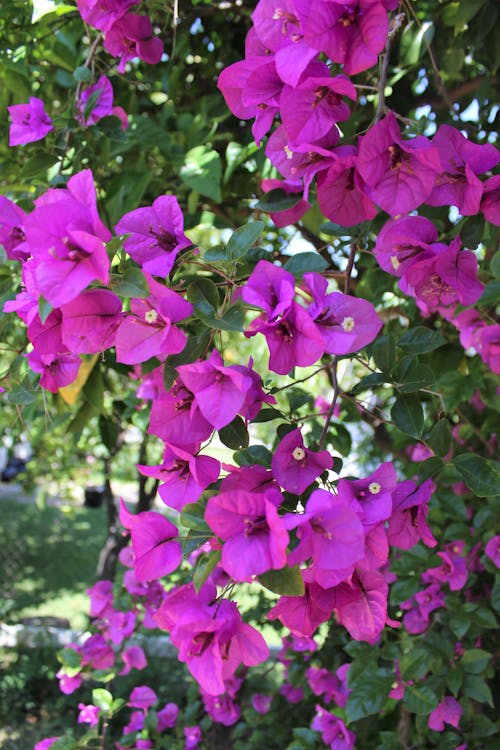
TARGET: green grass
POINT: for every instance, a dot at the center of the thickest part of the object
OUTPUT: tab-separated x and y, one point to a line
48	558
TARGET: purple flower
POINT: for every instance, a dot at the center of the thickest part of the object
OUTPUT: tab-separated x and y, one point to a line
88	714
30	122
401	242
192	736
342	192
261	703
399	174
448	711
219	391
302	615
490	204
294	466
89	322
183	476
492	550
12	237
131	36
45	744
331	536
352	33
133	658
407	524
254	535
288	215
371	497
142	697
346	323
309	109
167	717
155	553
102	14
361	605
149	330
334	732
462	160
102	93
56	370
156	235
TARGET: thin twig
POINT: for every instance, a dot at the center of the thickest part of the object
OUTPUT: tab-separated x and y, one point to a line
335	396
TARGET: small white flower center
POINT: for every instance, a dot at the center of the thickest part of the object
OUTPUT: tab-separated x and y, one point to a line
374	488
395	262
298	453
348	324
151	316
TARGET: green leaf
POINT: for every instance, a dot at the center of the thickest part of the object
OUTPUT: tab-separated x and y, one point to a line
368	382
255	454
82	74
477	689
471	232
420	340
370	688
193	517
408	415
416	378
232	320
384	353
412	42
475	660
21	396
243	239
38	164
460	622
235	434
454	679
335	230
440	438
44	309
102	698
286	581
204	566
204	296
202	172
420	699
109	430
194	349
132	284
215	254
480	475
416	664
490	295
495	594
303	263
278	200
42	8
495	265
429	468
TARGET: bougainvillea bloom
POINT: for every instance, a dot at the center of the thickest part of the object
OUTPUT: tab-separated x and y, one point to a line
288	215
57	370
176	417
399	174
130	37
12	237
149	330
352	33
102	14
407	524
330	534
371	497
346	323
98	98
448	711
211	637
492	550
30	122
88	714
302	615
156	554
142	697
156	235
361	605
183	476
334	732
341	190
461	160
401	242
254	535
219	391
89	322
294	466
